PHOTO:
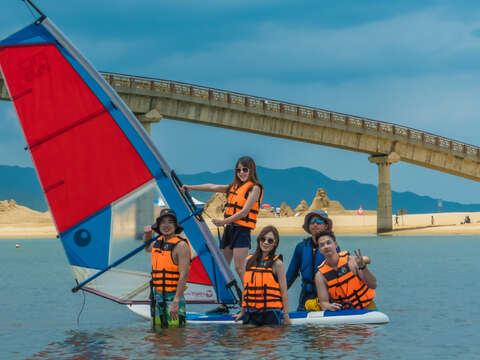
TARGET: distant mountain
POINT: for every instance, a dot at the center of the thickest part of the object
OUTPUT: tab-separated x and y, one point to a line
289	185
300	183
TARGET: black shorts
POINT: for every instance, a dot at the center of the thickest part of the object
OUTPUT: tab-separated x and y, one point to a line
236	236
267	317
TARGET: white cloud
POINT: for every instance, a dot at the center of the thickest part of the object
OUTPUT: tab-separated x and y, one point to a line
421	42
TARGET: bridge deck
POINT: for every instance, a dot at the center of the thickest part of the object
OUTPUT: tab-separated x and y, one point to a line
209	106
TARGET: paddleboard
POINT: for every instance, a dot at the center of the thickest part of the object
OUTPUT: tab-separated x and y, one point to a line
340	317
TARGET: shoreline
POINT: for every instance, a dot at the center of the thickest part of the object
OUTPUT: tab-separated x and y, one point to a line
414	224
27	231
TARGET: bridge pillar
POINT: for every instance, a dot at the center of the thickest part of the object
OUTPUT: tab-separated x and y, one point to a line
384	192
3	90
147	119
144	211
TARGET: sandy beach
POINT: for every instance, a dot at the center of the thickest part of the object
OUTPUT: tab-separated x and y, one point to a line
20	222
414	224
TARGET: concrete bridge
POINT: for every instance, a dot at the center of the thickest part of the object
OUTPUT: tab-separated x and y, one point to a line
386	143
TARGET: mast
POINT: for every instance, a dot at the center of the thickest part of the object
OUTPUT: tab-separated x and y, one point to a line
42	15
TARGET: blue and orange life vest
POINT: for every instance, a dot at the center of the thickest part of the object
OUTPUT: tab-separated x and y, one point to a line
236	198
344	286
261	287
165	273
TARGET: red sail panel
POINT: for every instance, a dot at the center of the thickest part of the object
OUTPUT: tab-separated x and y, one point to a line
198	274
84	160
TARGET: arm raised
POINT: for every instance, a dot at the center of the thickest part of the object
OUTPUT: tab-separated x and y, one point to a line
206	187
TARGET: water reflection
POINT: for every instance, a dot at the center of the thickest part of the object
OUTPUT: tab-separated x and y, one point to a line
85	345
348	341
167	342
217	342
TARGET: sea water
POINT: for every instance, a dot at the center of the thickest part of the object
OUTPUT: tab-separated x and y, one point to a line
427	285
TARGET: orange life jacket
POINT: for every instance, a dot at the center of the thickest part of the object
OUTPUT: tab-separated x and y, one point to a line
261	287
165	273
236	198
344	286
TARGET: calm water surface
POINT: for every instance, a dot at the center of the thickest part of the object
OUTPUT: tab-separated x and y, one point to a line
427	286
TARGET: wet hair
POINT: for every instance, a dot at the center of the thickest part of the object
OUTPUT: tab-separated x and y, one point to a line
249	163
326	233
257	255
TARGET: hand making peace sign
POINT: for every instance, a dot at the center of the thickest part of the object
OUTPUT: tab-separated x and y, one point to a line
359	259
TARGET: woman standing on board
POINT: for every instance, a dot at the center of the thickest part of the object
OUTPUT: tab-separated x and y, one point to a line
244	196
265	292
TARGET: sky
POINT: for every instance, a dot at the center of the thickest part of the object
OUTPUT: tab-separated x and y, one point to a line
413	63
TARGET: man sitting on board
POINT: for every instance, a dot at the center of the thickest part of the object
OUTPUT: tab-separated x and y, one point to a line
171	256
342	278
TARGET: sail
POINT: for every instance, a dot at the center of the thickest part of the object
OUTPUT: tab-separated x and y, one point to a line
100	172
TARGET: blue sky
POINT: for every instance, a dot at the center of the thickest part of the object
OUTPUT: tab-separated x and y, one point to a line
413	63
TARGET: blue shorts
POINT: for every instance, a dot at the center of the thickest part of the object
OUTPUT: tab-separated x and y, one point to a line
267	317
235	236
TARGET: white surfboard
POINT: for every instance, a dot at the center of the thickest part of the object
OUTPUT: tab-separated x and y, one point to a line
297	317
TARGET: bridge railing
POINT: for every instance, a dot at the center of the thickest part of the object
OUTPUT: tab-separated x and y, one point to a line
274	106
280	107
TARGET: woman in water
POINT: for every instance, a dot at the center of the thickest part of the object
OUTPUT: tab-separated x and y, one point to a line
244	196
265	285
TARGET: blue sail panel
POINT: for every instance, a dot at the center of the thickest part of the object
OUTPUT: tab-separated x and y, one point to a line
87	243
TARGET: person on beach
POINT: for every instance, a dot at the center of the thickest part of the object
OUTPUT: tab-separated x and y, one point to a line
171	257
265	292
342	278
244	196
306	257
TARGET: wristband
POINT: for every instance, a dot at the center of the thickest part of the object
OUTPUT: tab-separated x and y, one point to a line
363	267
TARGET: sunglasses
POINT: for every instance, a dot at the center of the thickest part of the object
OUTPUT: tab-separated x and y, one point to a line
318	221
243	169
269	241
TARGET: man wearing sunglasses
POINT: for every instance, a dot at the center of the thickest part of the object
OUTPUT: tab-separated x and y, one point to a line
306	258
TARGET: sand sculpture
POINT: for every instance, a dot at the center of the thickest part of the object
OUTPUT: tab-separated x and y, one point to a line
302	207
286	210
214	207
13	213
321	201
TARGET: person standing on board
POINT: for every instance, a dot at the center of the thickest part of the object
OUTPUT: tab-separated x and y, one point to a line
306	257
265	292
244	196
343	278
171	256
